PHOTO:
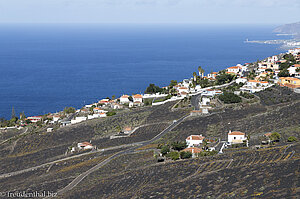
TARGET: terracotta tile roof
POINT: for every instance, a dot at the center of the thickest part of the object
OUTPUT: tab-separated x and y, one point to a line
268	134
85	144
137	96
127	129
297	65
124	96
193	150
195	137
236	133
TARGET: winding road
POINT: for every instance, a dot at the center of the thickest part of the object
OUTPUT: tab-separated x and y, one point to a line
79	178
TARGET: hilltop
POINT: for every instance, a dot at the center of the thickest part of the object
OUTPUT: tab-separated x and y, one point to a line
293	28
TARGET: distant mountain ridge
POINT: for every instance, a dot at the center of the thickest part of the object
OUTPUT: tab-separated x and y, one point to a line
293	28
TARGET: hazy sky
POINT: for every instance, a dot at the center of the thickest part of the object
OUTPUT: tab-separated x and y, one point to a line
150	11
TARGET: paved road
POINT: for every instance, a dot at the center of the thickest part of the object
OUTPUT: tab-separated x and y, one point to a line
6	175
79	178
14	136
195	101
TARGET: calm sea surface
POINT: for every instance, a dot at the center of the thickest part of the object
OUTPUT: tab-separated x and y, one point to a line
44	68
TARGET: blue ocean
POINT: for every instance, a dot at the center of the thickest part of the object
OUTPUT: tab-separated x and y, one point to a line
44	68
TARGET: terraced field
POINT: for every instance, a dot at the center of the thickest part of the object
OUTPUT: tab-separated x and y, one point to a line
173	179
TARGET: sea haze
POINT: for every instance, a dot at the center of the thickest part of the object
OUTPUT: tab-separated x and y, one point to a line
44	68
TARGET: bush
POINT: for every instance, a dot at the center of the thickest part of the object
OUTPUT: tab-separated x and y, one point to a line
69	110
165	149
185	155
174	155
292	139
275	136
229	98
110	113
247	95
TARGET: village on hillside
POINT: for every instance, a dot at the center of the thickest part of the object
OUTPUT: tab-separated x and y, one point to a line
216	89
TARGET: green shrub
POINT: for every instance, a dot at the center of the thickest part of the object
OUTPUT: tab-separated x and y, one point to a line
111	113
292	139
228	98
165	149
185	154
174	155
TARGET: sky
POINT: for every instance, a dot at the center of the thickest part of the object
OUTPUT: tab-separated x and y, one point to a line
150	11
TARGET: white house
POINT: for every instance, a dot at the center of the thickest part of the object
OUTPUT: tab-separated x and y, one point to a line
49	130
234	69
194	140
205	101
183	94
183	89
292	69
211	92
56	118
34	119
272	59
84	146
236	137
99	110
212	75
124	99
78	119
137	98
241	80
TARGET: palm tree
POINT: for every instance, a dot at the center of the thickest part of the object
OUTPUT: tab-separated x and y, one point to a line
201	71
194	75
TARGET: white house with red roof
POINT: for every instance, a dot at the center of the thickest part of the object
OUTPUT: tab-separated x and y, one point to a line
137	98
84	146
212	75
124	99
236	137
182	89
35	119
234	69
194	140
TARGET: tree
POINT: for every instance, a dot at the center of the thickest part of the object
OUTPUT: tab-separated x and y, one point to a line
153	89
284	73
178	146
224	78
185	154
275	136
13	113
69	110
165	149
228	98
201	71
113	97
292	139
195	76
173	83
22	116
